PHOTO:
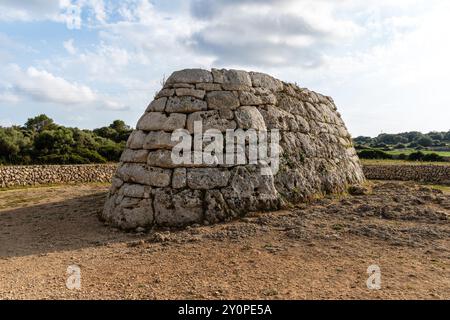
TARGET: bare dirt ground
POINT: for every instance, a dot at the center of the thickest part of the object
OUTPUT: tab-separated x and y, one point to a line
316	251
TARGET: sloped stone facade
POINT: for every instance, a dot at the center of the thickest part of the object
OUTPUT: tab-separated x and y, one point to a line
316	152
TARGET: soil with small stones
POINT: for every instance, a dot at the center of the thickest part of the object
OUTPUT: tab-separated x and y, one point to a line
313	251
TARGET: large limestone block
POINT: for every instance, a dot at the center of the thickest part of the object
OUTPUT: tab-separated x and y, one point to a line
248	117
185	104
232	79
158	140
174	208
265	81
224	101
159	121
136	156
210	120
143	174
190	76
199	94
157	105
136	139
207	178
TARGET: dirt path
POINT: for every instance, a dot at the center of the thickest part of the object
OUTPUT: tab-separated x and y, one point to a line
312	251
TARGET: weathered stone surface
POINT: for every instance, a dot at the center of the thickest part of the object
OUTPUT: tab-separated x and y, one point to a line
264	80
158	140
135	191
159	121
178	208
232	79
249	99
208	86
216	207
165	93
199	94
161	158
190	76
143	174
210	120
179	178
207	178
248	117
136	156
157	105
316	156
224	101
136	140
185	104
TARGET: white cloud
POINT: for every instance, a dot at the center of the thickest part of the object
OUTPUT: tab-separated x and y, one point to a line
380	59
42	86
68	45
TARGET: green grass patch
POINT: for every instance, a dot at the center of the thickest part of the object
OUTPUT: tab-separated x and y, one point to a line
409	151
401	162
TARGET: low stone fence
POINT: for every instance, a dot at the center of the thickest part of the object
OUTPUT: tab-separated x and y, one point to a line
439	174
15	176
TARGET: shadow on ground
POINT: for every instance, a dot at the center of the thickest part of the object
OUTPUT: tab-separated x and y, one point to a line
65	225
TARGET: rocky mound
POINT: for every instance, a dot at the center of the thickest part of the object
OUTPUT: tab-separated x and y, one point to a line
303	150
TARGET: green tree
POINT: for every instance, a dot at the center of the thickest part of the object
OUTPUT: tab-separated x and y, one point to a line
40	123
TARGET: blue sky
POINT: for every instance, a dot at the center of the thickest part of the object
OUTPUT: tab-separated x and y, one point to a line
88	62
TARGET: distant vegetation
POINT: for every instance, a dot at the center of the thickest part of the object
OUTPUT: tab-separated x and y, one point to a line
412	146
41	141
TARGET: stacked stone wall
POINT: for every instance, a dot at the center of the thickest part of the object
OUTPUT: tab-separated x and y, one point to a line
439	174
15	176
317	155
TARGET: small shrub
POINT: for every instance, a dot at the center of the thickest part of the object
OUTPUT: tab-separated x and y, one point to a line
373	154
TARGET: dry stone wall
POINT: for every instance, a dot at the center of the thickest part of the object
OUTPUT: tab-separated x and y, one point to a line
316	157
14	176
439	174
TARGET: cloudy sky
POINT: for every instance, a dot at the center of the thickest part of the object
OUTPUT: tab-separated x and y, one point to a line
88	62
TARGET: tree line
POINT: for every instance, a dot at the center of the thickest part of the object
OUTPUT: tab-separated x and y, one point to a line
41	141
412	139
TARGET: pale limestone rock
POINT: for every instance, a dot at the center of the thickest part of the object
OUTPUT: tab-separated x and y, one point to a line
161	158
224	101
199	94
165	93
157	105
208	86
210	120
179	178
232	79
158	140
143	174
249	99
136	139
185	104
135	191
248	117
190	76
263	80
183	85
178	208
136	156
159	121
207	178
